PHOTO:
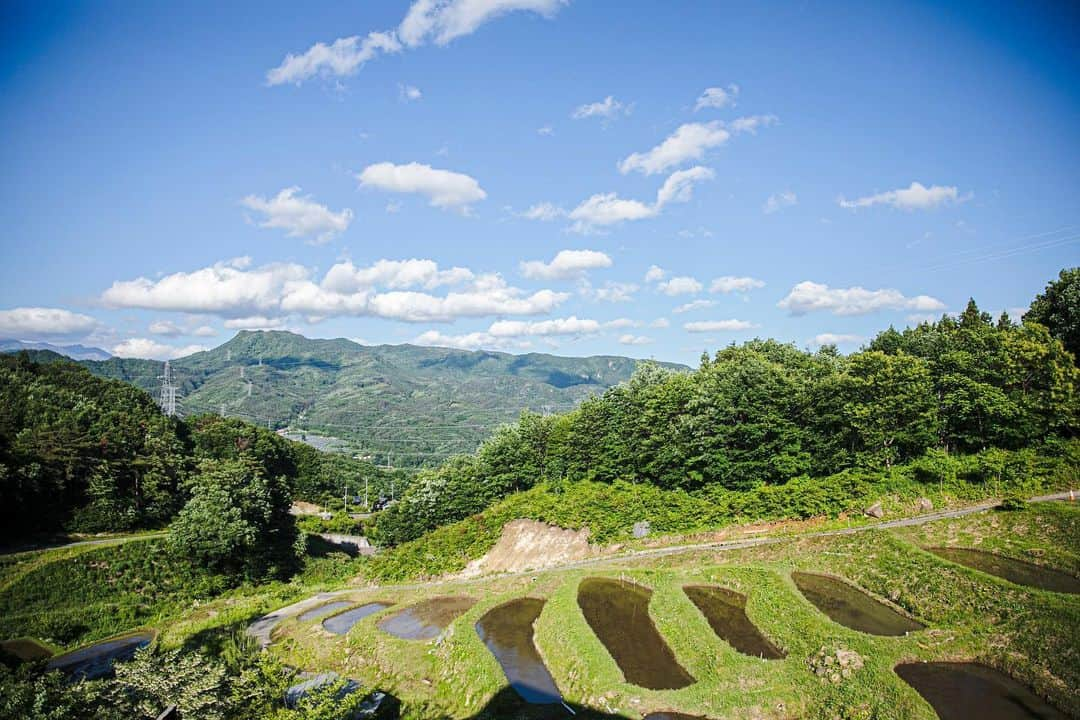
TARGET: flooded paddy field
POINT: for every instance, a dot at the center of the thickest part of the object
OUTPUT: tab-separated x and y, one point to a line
1017	571
852	607
323	610
425	620
726	612
618	612
507	630
959	691
94	661
341	623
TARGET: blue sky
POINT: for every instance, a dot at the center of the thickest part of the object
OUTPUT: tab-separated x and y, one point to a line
804	171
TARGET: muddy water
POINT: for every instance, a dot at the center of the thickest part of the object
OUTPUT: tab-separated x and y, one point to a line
726	612
1017	571
323	610
341	624
851	607
618	612
97	660
425	620
959	691
507	630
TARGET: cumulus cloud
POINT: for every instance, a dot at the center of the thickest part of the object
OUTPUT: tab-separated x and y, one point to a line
610	292
835	339
607	108
545	130
607	209
505	334
779	201
660	323
718	325
566	264
545	212
31	323
751	123
694	305
256	322
344	277
688	142
914	197
204	331
681	285
165	327
299	216
730	284
444	188
408	93
809	297
152	349
629	339
716	97
427	21
655	273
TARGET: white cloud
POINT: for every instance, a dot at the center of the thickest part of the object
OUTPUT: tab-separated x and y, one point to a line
611	292
811	297
606	209
545	130
718	325
730	284
835	339
256	322
438	21
165	327
470	341
688	142
629	339
30	323
620	324
609	107
655	273
751	123
715	97
544	212
152	349
505	334
682	285
565	264
444	188
915	197
557	326
779	201
660	323
408	93
299	216
694	305
204	331
344	277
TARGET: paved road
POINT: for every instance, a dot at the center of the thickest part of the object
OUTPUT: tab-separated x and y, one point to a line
262	627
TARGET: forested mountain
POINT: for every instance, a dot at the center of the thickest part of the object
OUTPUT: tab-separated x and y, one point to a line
403	405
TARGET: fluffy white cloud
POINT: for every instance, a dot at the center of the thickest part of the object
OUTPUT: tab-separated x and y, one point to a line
681	285
438	21
30	323
688	142
470	341
444	188
730	284
694	305
660	323
256	322
655	273
544	212
629	339
545	130
165	327
751	123
505	334
715	97
779	201
556	326
835	339
718	325
607	108
344	277
608	209
408	93
299	216
565	264
204	331
611	292
226	288
810	297
915	197
152	349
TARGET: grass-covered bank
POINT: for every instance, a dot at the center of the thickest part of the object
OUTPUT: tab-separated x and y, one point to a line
1031	634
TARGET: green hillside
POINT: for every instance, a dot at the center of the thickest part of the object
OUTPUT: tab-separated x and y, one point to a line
404	405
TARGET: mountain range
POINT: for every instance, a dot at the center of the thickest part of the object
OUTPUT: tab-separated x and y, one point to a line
401	405
75	352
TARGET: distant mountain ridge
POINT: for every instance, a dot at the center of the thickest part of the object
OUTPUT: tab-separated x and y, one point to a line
404	405
75	352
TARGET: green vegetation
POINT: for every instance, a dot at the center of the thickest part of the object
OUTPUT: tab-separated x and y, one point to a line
1058	309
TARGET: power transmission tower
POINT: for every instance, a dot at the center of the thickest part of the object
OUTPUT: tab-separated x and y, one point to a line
169	392
222	409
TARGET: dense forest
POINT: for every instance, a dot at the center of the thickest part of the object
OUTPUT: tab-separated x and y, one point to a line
767	414
79	453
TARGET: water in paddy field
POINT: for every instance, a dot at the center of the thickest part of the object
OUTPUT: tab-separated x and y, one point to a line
726	612
618	612
323	610
1017	571
851	607
425	620
341	623
507	630
959	691
97	660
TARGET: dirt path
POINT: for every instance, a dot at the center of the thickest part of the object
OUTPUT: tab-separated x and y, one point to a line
262	627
